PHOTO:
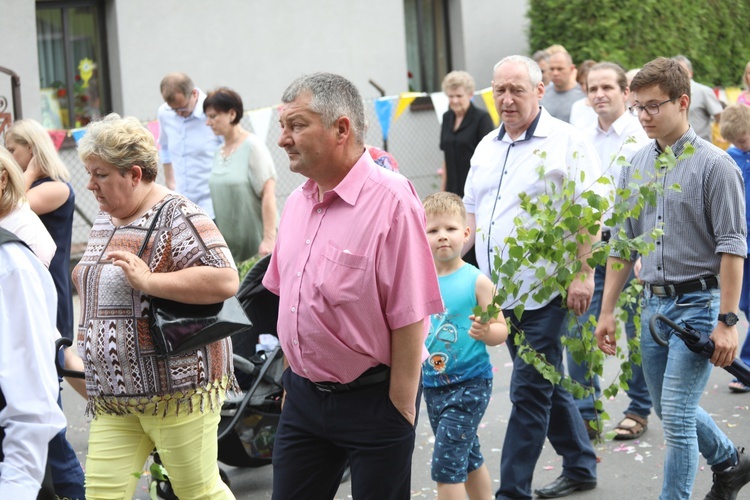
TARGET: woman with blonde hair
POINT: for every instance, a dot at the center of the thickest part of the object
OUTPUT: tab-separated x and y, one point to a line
139	399
51	197
15	214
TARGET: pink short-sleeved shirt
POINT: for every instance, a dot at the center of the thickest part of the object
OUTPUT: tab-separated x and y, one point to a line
349	270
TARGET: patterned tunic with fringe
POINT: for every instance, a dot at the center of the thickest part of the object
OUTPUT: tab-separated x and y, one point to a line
123	373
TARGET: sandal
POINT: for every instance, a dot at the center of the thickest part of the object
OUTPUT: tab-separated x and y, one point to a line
737	386
633	426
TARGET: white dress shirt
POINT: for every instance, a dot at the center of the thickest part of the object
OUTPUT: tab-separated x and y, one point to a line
189	145
582	115
617	142
31	417
502	168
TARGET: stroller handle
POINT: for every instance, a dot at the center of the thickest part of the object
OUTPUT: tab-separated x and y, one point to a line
61	343
698	342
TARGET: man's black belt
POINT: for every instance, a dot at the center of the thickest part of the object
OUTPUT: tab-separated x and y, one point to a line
374	375
675	289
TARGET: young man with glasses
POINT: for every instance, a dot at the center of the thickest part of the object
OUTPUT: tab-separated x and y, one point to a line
187	143
703	237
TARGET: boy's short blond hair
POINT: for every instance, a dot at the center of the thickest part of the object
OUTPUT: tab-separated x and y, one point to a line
735	122
444	203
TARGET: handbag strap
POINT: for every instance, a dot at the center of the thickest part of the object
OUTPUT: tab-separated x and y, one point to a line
151	227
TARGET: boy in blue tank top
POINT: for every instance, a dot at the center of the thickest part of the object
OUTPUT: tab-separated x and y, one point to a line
457	376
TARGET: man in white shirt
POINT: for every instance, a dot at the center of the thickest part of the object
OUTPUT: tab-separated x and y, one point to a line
505	163
617	133
187	143
29	414
705	107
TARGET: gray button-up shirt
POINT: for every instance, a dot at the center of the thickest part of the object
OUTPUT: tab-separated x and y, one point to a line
702	220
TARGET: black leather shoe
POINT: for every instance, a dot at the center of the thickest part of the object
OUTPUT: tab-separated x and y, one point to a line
564	486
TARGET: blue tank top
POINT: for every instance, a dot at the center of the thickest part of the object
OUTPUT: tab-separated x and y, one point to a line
455	356
59	224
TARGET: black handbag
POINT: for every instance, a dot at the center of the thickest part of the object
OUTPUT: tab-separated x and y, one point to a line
177	328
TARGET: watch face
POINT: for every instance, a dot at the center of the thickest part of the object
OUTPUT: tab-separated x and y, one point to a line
730	319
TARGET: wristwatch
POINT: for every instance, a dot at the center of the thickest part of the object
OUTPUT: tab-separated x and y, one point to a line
729	319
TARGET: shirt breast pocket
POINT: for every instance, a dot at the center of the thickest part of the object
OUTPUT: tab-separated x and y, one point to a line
342	277
685	205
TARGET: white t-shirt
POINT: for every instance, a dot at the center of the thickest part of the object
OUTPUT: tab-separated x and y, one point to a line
25	224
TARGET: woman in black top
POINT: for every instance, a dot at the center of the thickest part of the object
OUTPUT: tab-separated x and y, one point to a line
464	125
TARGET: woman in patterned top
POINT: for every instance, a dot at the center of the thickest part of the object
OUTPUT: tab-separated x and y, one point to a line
140	400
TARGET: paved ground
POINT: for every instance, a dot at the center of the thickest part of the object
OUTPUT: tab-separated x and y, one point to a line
627	469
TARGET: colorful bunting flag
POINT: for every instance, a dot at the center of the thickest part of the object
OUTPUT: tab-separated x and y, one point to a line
384	110
440	103
404	100
732	93
489	103
153	127
58	137
260	119
77	133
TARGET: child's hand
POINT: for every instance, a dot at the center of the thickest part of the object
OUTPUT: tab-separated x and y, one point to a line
478	330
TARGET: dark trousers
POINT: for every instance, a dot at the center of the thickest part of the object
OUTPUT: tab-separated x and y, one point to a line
319	432
541	409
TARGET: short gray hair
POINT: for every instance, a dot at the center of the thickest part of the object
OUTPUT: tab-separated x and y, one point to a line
682	59
540	55
535	73
333	96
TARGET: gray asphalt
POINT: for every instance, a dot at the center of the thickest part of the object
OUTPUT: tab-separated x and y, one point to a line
627	469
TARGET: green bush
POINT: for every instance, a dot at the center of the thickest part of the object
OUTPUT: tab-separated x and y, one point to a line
713	34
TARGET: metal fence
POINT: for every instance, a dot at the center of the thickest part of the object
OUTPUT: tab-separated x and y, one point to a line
413	140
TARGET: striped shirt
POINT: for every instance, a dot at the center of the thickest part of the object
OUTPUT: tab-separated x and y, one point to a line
702	220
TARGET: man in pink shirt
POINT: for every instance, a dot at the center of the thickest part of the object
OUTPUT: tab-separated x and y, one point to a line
356	282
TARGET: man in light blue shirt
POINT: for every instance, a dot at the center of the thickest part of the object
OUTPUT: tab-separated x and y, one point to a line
187	143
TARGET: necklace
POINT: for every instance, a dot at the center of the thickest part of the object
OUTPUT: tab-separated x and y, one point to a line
225	156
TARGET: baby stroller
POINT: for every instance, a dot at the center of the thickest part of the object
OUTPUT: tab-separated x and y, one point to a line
248	421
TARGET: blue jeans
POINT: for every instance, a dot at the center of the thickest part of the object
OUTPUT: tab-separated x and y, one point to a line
541	409
676	378
455	412
640	400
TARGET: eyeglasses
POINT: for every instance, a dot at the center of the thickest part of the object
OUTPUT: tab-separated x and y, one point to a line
651	109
